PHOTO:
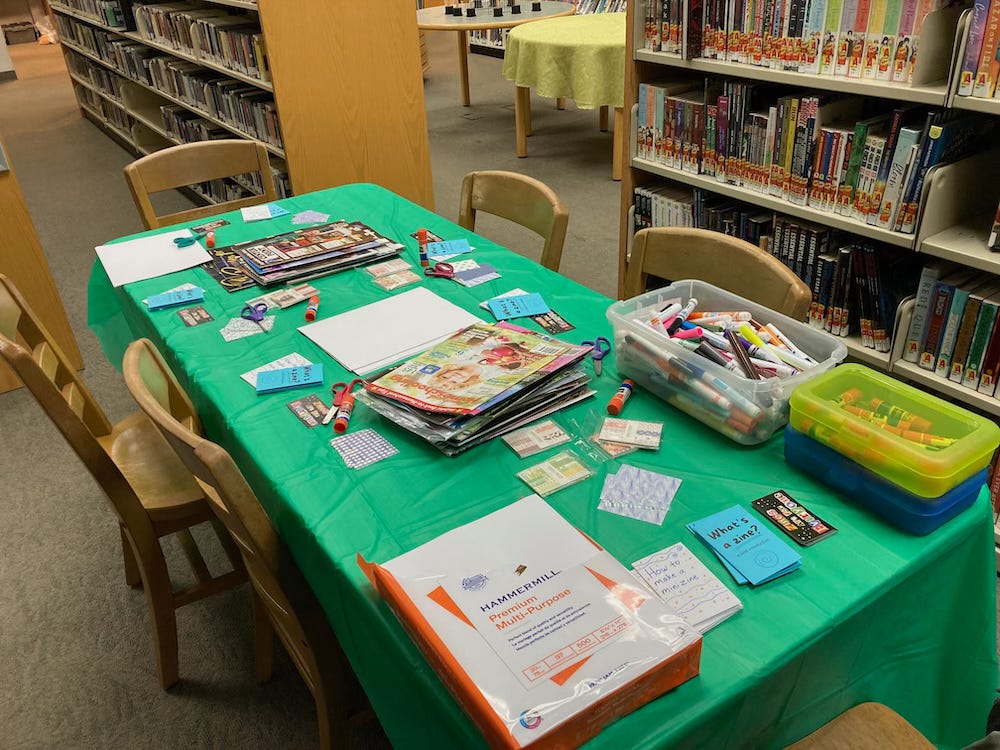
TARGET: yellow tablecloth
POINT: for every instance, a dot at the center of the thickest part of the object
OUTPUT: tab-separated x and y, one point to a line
577	57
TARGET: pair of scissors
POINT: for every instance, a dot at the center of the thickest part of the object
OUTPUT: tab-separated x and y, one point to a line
341	391
256	314
602	347
185	241
441	270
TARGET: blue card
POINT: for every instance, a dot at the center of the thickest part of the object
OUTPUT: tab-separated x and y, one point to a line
269	381
521	306
448	247
748	549
176	297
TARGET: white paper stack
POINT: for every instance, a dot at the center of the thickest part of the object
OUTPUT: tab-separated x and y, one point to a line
149	257
374	336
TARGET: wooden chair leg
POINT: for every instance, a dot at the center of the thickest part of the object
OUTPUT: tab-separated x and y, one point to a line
163	616
132	575
604	118
522	113
618	144
263	639
561	102
331	715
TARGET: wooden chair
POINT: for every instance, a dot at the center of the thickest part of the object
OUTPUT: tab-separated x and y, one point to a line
727	262
190	164
523	200
151	493
282	600
867	726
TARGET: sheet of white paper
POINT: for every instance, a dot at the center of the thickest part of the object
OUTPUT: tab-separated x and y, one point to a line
379	334
149	257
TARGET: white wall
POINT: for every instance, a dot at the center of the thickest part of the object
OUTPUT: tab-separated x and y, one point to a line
5	61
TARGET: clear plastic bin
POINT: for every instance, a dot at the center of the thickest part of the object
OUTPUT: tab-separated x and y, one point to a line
878	422
744	410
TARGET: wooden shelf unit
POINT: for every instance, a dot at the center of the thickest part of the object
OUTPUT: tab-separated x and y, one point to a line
956	211
335	131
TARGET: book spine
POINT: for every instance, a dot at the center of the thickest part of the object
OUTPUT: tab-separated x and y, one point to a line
986	71
889	38
815	307
924	7
901	55
882	172
963	340
991	365
970	60
846	39
896	175
942	364
873	39
856	60
831	33
939	311
980	338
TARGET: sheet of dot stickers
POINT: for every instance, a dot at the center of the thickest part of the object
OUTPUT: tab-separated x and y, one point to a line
632	432
639	494
363	448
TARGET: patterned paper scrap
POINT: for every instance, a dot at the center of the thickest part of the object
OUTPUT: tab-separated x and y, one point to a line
536	438
561	470
639	494
632	432
310	217
388	267
240	328
397	280
362	448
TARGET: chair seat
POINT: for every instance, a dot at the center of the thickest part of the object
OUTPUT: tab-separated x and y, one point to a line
867	726
165	487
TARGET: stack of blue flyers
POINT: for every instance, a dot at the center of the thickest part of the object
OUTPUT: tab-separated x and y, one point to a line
751	552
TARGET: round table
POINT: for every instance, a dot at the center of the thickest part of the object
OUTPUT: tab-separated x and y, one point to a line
580	58
434	19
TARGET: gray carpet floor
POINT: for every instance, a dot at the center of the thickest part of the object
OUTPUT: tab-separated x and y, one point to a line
76	662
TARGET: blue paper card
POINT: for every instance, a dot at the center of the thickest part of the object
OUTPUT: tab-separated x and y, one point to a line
748	549
175	297
269	381
447	248
521	306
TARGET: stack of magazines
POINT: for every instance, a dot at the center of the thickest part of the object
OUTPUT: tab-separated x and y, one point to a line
481	382
317	251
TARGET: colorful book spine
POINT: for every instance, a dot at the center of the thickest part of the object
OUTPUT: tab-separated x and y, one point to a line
904	38
923	10
846	38
887	44
831	32
901	158
942	362
991	365
970	60
980	341
913	343
855	62
988	67
873	39
963	341
941	305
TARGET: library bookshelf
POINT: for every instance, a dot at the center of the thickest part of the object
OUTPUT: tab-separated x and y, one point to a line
956	203
316	114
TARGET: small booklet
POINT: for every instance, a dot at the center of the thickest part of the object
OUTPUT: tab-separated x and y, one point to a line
683	582
270	381
551	475
749	550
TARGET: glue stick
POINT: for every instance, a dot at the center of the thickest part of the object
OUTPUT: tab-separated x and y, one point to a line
344	414
617	402
313	308
210	239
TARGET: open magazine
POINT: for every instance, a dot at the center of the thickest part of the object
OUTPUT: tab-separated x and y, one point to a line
475	369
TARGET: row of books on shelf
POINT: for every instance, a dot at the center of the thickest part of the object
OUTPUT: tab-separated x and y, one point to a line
240	105
832	152
223	36
109	12
856	286
954	332
585	7
980	64
864	39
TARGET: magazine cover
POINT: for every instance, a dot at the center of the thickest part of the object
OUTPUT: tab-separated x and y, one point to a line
327	240
467	373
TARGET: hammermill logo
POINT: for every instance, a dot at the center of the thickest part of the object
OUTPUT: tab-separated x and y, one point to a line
474	583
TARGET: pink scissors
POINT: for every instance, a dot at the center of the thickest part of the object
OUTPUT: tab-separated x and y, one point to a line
441	270
340	391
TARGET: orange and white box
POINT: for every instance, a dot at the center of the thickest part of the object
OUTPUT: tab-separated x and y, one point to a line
542	637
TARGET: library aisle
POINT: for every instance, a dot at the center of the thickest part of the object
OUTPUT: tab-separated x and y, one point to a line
99	689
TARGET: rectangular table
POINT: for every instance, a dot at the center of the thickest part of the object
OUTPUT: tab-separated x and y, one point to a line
873	614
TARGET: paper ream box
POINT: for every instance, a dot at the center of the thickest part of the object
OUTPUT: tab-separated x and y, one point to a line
567	705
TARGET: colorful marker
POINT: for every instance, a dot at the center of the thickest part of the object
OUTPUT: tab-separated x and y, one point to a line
682	315
422	244
313	308
617	402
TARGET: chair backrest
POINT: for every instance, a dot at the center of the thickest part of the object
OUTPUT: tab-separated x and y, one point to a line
521	199
675	253
161	397
192	163
40	363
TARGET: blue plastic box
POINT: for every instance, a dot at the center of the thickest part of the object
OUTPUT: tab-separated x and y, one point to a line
912	513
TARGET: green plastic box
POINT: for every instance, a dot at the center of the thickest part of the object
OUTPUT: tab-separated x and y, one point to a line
917	441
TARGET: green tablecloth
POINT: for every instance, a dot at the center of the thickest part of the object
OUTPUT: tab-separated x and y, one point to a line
578	57
873	614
